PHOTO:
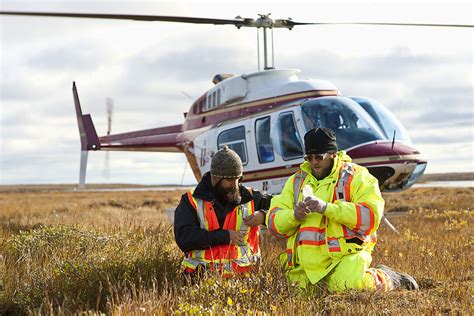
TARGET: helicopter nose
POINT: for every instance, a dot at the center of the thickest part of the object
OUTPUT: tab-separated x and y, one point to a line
396	166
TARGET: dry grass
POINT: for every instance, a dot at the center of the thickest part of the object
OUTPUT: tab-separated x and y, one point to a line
113	252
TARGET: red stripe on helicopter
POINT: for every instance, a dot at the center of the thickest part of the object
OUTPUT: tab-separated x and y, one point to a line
282	172
228	112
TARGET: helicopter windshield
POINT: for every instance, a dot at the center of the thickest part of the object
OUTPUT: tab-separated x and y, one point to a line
352	125
384	118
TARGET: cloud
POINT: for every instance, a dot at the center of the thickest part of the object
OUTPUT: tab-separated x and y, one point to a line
82	56
425	80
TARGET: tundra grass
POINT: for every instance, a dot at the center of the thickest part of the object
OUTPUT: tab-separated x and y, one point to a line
114	252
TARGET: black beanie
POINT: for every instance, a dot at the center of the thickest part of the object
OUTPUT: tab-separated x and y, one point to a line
319	141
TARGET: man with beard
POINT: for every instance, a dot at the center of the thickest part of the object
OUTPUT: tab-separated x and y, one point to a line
329	212
217	224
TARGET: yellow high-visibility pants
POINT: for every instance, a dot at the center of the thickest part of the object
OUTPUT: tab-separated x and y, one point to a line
352	272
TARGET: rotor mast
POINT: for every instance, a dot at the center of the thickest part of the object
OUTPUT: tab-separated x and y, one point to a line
265	22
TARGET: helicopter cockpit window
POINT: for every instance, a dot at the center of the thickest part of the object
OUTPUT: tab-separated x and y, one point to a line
290	141
263	140
234	138
384	118
352	125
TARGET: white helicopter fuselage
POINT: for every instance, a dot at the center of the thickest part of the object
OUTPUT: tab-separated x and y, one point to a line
269	141
263	116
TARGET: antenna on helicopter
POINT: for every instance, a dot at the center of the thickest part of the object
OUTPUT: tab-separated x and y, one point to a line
187	95
393	139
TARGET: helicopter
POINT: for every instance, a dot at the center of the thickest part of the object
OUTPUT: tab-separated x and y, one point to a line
263	116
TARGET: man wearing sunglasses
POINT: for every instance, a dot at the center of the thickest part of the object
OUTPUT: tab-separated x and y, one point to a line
329	212
217	224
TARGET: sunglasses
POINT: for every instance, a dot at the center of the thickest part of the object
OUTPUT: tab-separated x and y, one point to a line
317	157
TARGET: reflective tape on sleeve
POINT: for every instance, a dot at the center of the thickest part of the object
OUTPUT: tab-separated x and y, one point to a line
271	223
365	219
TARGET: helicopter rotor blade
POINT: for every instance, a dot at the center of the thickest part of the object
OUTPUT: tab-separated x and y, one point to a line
263	21
136	17
388	24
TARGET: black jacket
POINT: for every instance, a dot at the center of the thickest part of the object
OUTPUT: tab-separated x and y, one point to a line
187	231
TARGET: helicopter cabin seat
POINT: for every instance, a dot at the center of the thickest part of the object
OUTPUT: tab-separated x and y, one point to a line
334	120
266	153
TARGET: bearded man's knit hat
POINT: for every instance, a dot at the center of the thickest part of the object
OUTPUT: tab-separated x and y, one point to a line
226	164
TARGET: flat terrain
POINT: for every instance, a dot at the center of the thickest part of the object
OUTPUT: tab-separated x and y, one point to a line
114	252
464	176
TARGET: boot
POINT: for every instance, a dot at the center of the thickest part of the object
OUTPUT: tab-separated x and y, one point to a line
400	279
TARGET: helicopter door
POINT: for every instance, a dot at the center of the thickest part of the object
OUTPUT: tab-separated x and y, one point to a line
286	138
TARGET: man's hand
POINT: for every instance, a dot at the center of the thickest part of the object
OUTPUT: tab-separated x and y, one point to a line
255	219
236	238
300	211
315	205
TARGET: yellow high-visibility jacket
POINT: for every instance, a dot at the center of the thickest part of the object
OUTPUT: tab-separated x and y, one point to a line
349	224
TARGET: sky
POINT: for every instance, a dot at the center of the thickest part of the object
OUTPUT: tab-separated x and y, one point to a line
423	75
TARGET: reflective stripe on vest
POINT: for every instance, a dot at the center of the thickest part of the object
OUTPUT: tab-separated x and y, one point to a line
224	258
333	244
317	237
297	184
289	257
311	236
365	215
200	213
342	191
199	254
343	187
245	213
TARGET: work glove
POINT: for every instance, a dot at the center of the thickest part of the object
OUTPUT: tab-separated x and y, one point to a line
312	203
315	205
307	206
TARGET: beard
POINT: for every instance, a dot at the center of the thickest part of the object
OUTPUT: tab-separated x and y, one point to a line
229	196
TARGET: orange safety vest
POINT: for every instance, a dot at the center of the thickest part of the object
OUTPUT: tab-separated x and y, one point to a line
227	259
